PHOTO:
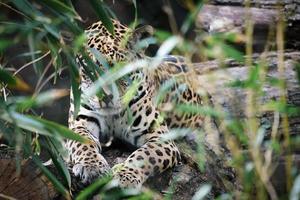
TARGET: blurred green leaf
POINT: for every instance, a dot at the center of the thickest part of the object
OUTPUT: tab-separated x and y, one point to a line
36	146
91	68
236	127
202	192
42	126
231	52
24	103
25	7
135	13
75	83
129	115
191	17
142	196
275	145
162	35
111	191
57	62
274	81
130	92
238	84
94	188
233	37
4	44
197	109
253	80
59	6
225	196
32	48
79	42
163	90
102	14
29	54
168	45
295	193
7	78
144	43
218	47
259	137
13	82
175	133
60	165
297	68
52	30
111	76
281	107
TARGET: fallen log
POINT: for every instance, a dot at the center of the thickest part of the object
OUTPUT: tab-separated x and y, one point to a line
215	80
230	16
29	184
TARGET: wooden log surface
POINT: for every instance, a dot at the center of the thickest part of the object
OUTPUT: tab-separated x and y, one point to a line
29	184
232	100
230	16
291	7
214	18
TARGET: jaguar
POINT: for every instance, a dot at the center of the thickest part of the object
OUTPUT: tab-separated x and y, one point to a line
141	122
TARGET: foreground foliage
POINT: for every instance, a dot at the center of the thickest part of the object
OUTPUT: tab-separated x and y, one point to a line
52	36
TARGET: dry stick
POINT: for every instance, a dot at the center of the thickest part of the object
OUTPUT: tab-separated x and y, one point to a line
15	10
31	62
172	21
268	158
268	165
7	197
44	73
46	69
269	153
4	93
283	93
267	171
46	81
250	113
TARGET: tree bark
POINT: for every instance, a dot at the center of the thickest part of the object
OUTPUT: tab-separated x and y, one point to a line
187	177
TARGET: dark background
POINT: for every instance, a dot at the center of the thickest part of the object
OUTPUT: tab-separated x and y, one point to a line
149	12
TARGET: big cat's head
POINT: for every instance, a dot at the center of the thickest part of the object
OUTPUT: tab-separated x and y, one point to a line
120	47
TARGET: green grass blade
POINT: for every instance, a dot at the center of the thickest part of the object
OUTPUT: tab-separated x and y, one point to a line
58	186
7	78
75	82
191	18
102	14
59	164
59	6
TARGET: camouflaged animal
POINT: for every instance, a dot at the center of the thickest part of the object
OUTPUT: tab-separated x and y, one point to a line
98	119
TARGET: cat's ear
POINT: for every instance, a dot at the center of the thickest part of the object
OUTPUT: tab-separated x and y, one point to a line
142	32
138	35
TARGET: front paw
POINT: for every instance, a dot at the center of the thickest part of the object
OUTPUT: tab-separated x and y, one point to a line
127	177
90	169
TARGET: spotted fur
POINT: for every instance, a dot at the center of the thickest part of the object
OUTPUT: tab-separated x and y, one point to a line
99	120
